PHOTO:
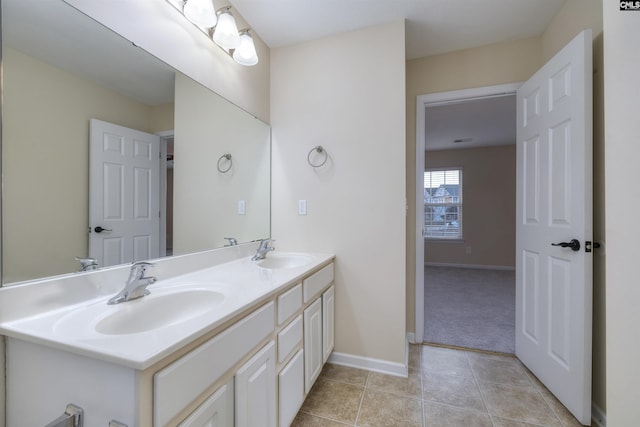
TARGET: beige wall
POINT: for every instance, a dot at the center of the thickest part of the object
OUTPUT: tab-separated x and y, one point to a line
46	114
622	151
489	207
161	30
347	93
205	209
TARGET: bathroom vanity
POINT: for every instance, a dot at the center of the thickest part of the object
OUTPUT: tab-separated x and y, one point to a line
221	340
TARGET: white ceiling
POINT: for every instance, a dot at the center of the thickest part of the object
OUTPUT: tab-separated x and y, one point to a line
432	26
486	122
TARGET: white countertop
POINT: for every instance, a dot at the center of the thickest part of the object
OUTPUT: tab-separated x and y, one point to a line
240	284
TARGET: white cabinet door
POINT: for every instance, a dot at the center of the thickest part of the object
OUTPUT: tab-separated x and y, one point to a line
256	390
216	411
328	311
291	389
312	343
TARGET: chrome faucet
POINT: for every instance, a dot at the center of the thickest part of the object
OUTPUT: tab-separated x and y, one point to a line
136	286
231	241
87	264
262	250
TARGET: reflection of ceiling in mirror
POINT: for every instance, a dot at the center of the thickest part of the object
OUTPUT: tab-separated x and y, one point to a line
48	30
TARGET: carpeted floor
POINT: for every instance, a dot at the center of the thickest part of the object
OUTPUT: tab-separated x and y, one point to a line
471	308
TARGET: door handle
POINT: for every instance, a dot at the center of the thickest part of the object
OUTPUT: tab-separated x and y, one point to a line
99	229
574	244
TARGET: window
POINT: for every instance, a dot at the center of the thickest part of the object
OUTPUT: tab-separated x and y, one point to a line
443	204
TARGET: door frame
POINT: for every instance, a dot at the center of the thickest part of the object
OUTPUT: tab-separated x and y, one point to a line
422	102
164	136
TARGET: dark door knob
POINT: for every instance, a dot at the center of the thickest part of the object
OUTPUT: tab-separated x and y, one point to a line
574	244
99	229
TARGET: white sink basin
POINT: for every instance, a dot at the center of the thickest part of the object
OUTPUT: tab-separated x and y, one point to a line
151	312
277	261
162	308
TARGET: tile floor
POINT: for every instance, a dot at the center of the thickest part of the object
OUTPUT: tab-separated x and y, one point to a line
446	387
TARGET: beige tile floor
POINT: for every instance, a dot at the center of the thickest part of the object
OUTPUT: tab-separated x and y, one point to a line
445	388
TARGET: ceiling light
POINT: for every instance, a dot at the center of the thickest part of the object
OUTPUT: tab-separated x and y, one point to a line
220	26
245	53
200	12
226	33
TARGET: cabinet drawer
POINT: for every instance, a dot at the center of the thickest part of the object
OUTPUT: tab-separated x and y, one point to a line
289	338
317	282
177	385
289	303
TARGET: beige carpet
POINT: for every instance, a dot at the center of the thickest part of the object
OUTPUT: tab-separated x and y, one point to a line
471	308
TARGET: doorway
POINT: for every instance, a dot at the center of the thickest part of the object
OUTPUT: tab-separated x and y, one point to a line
467	250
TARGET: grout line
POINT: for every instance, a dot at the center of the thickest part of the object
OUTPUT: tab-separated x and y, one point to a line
422	402
364	390
475	380
326	419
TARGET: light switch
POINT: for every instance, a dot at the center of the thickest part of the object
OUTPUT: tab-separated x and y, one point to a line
302	207
241	207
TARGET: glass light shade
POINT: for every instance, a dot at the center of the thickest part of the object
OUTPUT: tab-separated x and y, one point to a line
246	54
226	33
201	12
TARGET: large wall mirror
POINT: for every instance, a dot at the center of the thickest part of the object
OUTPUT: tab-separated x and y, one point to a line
60	70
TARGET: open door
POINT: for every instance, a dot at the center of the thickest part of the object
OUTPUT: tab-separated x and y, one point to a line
124	198
554	206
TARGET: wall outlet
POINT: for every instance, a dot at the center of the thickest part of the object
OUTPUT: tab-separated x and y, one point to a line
241	207
468	250
302	207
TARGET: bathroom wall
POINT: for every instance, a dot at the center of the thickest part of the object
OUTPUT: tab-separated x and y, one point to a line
622	151
489	207
46	161
161	30
346	93
206	129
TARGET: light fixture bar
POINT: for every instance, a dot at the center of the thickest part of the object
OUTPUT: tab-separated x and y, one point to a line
220	26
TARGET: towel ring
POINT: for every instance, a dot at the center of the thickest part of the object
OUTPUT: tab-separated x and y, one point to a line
320	150
228	157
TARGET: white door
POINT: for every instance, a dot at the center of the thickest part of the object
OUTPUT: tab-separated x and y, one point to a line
256	390
554	205
124	196
312	343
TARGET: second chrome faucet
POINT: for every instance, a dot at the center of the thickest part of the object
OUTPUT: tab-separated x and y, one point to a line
262	250
136	286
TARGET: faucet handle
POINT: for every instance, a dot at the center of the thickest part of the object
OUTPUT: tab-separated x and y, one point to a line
141	266
87	263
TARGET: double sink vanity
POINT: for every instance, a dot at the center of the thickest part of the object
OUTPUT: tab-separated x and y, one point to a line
221	339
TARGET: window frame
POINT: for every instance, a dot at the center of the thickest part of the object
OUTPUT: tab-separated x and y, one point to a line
460	205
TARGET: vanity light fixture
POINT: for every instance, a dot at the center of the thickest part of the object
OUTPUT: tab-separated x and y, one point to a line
245	53
221	26
200	12
226	32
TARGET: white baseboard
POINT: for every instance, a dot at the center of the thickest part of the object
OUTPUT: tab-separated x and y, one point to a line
478	266
598	417
370	364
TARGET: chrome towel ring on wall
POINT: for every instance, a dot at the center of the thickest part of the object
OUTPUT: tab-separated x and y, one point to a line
221	161
323	156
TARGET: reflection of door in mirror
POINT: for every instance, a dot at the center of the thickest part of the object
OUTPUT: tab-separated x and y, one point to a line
124	194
